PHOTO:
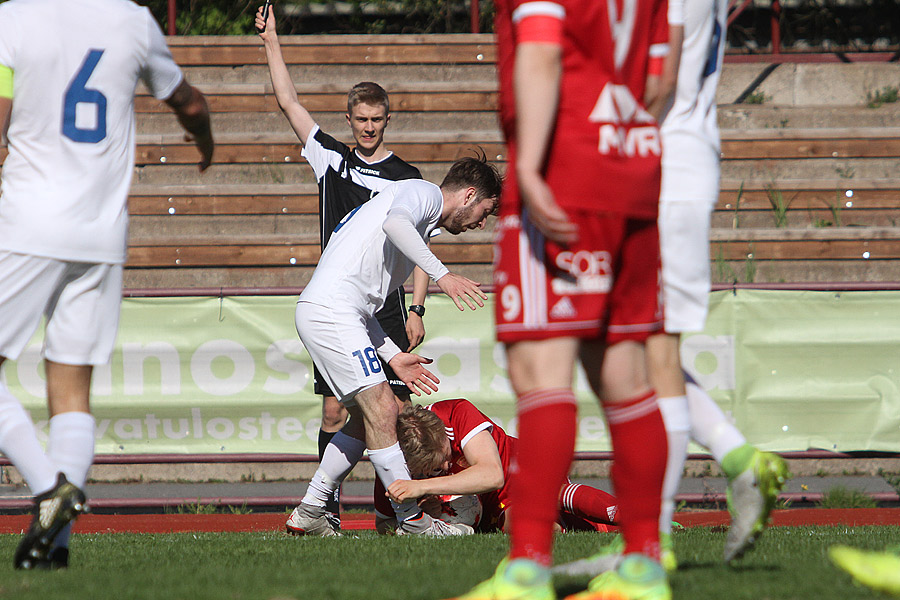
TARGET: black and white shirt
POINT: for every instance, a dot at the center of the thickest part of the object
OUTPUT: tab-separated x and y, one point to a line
345	180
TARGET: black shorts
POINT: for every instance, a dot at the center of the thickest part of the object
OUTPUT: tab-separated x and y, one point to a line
392	318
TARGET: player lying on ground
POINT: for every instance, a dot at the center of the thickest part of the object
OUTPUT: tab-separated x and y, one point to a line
453	448
371	253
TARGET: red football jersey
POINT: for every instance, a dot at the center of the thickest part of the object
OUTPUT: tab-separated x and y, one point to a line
462	421
605	150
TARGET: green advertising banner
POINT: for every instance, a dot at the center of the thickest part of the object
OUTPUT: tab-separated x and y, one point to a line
796	370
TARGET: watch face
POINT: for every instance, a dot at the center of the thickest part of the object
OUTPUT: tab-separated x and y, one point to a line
418	309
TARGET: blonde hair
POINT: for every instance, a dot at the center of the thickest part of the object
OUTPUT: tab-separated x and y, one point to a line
421	434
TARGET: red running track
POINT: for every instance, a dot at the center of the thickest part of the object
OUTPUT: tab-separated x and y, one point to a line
275	521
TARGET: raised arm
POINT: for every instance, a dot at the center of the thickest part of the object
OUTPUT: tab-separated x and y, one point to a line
285	93
193	113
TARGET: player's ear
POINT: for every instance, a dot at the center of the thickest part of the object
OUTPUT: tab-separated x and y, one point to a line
471	195
387	119
349	122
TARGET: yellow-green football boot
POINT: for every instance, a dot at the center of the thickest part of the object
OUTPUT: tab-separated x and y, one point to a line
637	577
754	480
877	570
519	579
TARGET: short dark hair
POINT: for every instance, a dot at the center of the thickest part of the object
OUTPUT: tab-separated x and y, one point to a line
370	93
477	172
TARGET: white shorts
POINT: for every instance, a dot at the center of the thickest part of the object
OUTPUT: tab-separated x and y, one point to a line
339	345
80	300
684	247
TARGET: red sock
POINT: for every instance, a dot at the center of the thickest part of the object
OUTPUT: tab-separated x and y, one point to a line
640	451
547	420
588	503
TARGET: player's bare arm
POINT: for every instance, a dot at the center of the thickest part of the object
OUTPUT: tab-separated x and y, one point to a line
661	88
484	474
536	78
6	95
285	93
193	113
415	326
5	111
408	367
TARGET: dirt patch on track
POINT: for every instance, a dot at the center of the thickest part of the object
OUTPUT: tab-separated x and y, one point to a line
275	521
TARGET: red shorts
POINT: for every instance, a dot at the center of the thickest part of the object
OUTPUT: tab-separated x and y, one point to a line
606	286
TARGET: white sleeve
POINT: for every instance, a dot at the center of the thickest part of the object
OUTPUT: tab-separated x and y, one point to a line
160	74
8	37
384	345
400	228
676	13
322	151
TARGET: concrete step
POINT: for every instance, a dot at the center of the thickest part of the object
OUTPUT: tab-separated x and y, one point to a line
778	116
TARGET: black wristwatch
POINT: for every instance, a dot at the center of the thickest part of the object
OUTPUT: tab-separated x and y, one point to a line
418	309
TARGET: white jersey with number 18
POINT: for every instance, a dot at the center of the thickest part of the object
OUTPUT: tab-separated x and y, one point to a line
76	64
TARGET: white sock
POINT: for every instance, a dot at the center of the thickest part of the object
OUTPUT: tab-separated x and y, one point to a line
390	465
676	419
340	456
18	441
709	425
71	449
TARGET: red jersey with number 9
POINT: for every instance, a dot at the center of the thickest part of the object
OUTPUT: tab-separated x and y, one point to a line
605	151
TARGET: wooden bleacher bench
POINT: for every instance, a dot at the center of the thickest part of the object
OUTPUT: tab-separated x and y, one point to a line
244	222
338	49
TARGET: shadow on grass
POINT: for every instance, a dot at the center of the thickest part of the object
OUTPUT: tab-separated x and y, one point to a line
696	566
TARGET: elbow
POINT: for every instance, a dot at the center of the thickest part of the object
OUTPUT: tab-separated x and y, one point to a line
497	479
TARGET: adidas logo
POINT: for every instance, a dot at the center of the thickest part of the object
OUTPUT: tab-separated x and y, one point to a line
563	309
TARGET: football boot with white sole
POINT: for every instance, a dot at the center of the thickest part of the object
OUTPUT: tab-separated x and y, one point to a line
53	510
310	520
751	496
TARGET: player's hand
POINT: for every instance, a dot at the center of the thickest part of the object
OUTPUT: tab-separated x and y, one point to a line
431	505
417	378
405	489
267	27
543	211
415	330
206	146
462	290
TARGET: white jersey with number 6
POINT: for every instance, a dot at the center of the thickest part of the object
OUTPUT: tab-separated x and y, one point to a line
76	64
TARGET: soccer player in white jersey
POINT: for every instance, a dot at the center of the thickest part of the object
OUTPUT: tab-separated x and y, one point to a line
690	189
370	254
68	73
347	177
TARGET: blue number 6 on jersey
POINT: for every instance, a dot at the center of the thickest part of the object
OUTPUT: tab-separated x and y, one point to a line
77	94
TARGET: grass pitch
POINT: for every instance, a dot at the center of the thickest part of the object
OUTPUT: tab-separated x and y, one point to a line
788	563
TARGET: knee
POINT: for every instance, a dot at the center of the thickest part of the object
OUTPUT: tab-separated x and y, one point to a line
333	413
